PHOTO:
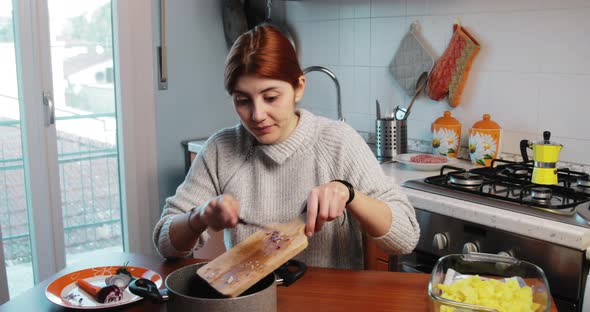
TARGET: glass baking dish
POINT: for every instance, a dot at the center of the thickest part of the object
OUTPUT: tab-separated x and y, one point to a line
486	266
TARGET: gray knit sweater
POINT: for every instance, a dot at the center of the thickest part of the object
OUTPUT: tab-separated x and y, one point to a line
272	181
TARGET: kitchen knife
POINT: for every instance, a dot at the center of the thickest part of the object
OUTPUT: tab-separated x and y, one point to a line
378	109
254	224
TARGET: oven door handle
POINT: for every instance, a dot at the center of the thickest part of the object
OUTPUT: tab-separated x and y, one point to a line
411	267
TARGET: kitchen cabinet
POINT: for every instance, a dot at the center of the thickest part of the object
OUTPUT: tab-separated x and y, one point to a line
375	258
191	147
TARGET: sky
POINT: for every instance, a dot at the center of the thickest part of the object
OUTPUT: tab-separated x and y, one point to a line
65	8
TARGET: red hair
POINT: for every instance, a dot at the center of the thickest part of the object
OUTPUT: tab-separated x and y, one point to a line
263	51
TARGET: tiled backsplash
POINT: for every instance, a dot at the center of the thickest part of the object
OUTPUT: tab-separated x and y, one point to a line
532	74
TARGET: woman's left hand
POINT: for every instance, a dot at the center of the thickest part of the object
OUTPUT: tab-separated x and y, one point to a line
325	203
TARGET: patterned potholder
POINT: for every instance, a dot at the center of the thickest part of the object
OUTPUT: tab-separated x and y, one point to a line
450	72
411	59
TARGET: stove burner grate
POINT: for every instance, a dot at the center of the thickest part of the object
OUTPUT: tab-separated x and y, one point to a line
583	182
466	179
541	193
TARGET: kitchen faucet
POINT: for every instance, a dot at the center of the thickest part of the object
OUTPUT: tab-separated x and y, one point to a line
331	74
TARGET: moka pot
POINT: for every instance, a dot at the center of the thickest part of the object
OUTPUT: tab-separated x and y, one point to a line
545	157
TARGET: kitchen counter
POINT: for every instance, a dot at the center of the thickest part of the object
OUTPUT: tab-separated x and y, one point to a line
318	290
556	232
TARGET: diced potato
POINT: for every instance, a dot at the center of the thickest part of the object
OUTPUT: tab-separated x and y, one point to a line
503	296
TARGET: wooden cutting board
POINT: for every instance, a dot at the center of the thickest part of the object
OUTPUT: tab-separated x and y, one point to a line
251	260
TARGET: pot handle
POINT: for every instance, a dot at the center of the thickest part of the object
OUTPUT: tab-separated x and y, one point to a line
148	289
524	144
285	276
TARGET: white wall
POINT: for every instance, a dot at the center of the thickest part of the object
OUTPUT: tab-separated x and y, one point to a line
532	73
195	104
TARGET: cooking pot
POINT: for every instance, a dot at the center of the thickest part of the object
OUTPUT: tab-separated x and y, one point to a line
186	291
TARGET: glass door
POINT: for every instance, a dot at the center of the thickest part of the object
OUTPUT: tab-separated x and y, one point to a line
59	172
14	212
81	41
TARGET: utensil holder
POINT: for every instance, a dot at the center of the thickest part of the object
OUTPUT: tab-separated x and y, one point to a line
391	137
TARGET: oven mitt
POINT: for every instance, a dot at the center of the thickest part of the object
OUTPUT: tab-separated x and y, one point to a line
450	71
411	59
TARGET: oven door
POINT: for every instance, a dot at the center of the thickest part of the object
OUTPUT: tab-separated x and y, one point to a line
440	235
416	262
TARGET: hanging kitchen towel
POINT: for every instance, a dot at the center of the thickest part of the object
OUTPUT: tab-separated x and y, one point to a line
411	59
451	69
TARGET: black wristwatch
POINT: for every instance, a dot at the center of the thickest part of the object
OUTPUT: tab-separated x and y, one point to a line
350	190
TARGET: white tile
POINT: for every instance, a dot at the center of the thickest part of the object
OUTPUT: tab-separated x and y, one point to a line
514	101
425	109
566	47
363	9
345	75
388	8
434	31
564	107
299	11
347	44
355	8
562	4
576	151
363	103
321	93
361	122
326	112
347	8
385	89
362	42
467	6
419	130
510	141
318	42
417	7
386	35
509	42
437	7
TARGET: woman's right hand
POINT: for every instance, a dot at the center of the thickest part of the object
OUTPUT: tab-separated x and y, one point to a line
220	212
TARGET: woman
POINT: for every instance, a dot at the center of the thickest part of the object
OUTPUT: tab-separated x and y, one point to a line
280	159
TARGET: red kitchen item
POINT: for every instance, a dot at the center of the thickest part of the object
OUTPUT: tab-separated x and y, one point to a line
450	71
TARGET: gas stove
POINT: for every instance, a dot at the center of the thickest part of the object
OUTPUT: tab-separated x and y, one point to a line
506	185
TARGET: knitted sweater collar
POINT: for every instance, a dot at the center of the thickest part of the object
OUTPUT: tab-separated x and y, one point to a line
302	137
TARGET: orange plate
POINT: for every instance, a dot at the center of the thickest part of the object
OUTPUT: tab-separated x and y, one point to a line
64	292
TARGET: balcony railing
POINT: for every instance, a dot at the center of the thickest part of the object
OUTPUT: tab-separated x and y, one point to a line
89	179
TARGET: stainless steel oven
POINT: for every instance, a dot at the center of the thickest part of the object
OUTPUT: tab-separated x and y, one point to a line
566	268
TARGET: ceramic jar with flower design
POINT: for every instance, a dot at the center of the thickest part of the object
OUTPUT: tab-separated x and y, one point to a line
446	135
484	141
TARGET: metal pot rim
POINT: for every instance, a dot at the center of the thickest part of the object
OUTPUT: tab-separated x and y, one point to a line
199	264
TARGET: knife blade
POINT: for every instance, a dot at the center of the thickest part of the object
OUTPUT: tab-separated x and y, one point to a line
254	224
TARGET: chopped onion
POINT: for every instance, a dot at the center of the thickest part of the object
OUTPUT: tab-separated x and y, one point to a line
121	280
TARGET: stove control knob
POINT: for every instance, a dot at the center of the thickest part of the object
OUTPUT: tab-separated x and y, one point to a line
503	266
470	247
440	242
505	253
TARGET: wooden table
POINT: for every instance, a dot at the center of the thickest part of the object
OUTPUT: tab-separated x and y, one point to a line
318	290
